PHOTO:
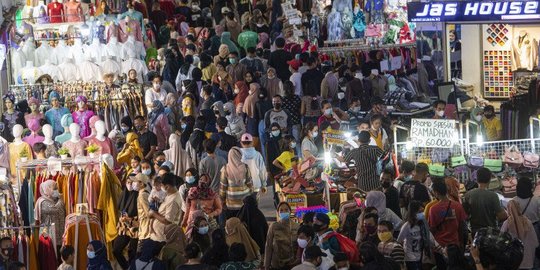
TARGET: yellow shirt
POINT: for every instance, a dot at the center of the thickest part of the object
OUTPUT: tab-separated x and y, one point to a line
285	159
492	127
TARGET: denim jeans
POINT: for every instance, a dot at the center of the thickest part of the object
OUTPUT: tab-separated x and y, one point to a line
262	138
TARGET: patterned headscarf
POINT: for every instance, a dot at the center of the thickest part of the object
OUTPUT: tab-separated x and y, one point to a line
11	98
202	191
54	95
33	100
157	110
81	98
46	189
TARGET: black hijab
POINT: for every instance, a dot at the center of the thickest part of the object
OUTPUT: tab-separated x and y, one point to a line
128	202
255	221
217	254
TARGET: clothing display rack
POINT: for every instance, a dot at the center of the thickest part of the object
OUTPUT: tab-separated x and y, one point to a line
74	237
17	232
365	47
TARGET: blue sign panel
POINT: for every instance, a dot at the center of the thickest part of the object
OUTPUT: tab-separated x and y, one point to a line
469	11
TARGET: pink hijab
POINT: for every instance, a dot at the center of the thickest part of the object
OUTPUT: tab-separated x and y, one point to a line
47	190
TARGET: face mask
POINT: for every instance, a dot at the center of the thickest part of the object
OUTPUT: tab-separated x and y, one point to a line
420	216
216	112
385	236
124	129
157	86
440	113
275	133
140	128
315	134
227	113
385	184
55	194
236	90
136	187
277	106
408	178
302	243
260	25
232	61
343	268
355	109
159	163
261	96
190	179
284	216
489	116
328	111
203	230
147	172
271	76
293	145
370	229
129	187
250	92
183	126
478	118
341	95
91	254
318	227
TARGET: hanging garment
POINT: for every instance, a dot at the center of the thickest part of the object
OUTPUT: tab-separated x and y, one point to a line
114	50
110	66
136	64
83	237
15	150
82	118
18	60
52	70
56	12
89	71
53	116
47	255
524	52
95	51
75	148
107	202
70	72
73	11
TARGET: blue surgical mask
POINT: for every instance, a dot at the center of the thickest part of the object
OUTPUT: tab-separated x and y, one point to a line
125	129
203	230
91	254
183	126
293	145
275	133
328	111
420	216
147	172
284	216
190	179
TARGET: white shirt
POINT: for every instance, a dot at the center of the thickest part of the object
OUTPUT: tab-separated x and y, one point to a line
70	71
96	51
182	77
133	47
18	60
138	65
110	66
77	52
59	53
52	70
90	71
296	79
114	49
150	95
31	74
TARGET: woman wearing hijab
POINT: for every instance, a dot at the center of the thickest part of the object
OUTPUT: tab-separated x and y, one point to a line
226	39
236	232
377	199
235	183
252	126
273	148
195	144
236	125
204	198
191	177
184	73
272	83
186	125
281	241
159	124
255	221
172	254
241	90
130	149
97	256
50	207
177	155
126	126
170	68
217	254
519	226
173	111
529	203
126	225
148	259
189	105
198	230
222	58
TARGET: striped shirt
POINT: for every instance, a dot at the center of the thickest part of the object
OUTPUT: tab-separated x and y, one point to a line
365	158
393	250
233	192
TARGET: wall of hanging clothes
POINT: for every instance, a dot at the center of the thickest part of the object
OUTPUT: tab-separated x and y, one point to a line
105	99
515	112
33	245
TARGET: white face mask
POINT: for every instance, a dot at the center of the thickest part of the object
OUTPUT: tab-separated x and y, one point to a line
478	118
440	113
236	90
135	186
315	134
328	111
302	243
156	86
250	92
340	95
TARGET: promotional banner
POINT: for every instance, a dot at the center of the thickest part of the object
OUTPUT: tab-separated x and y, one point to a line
433	133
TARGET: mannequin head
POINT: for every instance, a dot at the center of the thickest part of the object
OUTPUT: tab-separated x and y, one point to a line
92	123
47	131
54	99
81	102
17	131
75	130
100	128
132	75
34	104
9	102
108	79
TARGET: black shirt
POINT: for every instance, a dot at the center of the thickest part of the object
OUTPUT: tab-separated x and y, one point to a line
194	267
413	191
278	60
227	141
392	200
311	82
147	140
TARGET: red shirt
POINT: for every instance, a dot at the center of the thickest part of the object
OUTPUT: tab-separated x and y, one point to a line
445	224
56	12
333	122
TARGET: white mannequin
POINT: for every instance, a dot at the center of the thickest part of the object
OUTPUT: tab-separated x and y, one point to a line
75	131
134	63
30	72
114	49
100	130
48	133
110	66
70	71
59	53
18	59
132	44
17	133
95	50
75	51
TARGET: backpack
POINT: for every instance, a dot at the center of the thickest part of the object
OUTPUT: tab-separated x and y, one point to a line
346	245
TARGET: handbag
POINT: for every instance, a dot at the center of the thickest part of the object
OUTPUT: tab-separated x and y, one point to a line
513	157
509	184
531	160
458	161
436	170
494	165
494	184
476	161
373	30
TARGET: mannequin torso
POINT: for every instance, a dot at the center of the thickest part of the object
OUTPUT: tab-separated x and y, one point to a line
75	144
81	117
53	116
56	12
10	118
73	11
16	148
69	71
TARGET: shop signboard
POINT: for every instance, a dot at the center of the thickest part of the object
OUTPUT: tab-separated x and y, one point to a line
433	133
296	201
335	137
473	11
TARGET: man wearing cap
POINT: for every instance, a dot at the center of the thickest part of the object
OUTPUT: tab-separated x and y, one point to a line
296	77
321	223
255	162
312	259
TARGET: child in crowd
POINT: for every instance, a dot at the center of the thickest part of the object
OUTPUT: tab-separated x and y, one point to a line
157	195
68	256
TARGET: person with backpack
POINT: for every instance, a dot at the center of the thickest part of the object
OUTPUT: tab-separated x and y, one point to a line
331	241
281	241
